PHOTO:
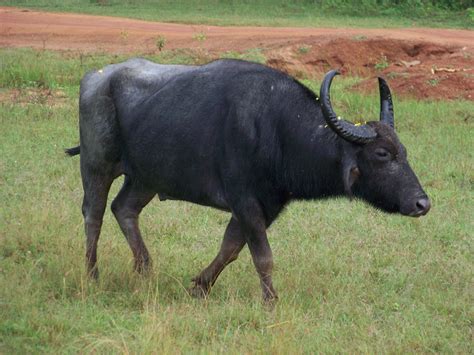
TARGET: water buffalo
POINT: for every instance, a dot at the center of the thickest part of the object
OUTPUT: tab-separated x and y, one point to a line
233	135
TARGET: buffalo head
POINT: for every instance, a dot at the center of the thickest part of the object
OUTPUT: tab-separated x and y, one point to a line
375	165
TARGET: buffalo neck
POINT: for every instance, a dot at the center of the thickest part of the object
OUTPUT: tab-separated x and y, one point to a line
312	153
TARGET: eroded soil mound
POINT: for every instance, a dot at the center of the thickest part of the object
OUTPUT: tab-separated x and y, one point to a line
419	69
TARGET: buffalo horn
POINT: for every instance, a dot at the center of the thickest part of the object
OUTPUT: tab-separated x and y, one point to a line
386	104
357	134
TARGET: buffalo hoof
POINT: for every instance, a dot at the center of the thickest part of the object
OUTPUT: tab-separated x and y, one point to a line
269	302
93	273
198	290
144	269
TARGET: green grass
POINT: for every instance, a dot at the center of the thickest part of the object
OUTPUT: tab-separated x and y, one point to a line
302	13
350	278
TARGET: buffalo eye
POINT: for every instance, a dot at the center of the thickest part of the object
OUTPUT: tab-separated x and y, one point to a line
383	154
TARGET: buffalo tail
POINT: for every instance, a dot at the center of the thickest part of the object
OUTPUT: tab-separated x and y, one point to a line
73	151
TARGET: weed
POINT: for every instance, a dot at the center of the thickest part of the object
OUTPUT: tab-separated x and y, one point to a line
303	49
124	35
393	75
359	38
466	54
471	13
382	63
300	74
433	82
254	55
160	42
200	36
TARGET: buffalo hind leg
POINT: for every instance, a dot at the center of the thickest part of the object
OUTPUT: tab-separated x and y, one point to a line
126	207
234	241
96	189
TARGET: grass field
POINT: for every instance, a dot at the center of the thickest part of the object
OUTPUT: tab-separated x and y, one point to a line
301	13
350	278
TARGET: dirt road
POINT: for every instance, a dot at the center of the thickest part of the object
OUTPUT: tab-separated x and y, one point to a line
427	63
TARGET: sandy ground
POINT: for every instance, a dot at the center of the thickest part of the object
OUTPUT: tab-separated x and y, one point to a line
425	63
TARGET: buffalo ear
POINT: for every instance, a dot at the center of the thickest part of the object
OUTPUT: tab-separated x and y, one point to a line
351	174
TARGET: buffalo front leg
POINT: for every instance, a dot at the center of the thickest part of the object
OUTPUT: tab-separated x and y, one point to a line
263	261
234	241
126	207
254	225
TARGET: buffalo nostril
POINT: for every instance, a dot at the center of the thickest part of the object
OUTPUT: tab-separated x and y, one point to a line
424	205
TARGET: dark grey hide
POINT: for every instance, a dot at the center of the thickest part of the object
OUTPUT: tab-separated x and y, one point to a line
233	135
